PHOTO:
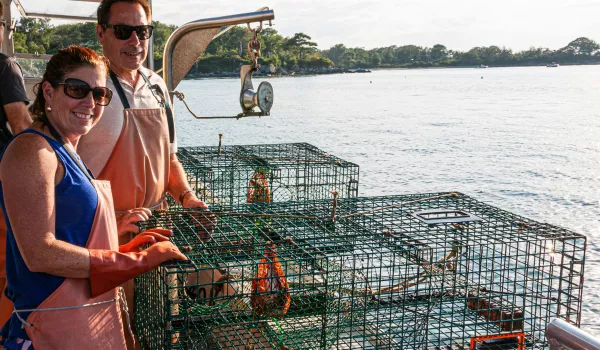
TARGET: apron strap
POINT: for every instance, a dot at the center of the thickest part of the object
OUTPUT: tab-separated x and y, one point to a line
156	90
73	157
120	91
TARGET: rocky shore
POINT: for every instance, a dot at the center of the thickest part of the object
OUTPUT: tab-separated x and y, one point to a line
276	72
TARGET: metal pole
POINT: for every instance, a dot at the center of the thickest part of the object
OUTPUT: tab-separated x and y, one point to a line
208	23
7	43
564	336
150	57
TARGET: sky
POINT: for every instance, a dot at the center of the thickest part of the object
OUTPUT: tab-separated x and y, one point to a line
457	24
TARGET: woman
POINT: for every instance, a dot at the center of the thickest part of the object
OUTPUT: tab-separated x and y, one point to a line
63	260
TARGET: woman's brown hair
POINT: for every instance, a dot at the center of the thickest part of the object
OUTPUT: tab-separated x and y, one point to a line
61	64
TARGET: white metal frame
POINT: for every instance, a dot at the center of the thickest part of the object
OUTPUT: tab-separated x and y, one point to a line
8	46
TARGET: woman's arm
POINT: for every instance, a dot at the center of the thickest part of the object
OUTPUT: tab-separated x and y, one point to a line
29	172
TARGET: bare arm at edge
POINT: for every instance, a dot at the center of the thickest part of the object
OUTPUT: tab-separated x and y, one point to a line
29	172
178	183
18	116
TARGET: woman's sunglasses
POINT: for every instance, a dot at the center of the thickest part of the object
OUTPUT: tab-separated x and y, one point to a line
79	89
123	31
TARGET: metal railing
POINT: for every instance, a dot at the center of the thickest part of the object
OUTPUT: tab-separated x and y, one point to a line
562	335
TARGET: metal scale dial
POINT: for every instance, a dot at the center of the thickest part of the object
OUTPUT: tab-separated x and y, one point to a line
249	98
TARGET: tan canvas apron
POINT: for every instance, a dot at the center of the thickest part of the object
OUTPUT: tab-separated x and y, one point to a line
69	318
138	167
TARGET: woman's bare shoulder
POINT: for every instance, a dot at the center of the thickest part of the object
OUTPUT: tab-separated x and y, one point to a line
28	152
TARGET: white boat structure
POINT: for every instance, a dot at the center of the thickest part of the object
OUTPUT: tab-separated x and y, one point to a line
553	65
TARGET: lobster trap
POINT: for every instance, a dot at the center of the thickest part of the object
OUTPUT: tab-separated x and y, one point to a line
426	271
232	175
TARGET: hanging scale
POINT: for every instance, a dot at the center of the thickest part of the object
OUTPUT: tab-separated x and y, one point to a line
262	97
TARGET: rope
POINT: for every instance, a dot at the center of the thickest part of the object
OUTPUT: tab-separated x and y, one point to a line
16	312
280	330
120	298
123	300
65	307
181	98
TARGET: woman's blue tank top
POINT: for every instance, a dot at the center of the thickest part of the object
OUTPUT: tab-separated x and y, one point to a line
75	201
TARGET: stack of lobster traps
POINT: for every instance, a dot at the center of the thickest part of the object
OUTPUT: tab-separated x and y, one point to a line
232	175
424	271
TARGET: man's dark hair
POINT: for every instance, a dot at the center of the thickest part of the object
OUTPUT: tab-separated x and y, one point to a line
1	9
104	9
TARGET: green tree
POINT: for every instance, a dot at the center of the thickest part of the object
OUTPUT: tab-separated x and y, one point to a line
581	46
300	44
271	43
335	53
20	42
235	39
160	35
376	59
82	34
439	52
37	34
229	51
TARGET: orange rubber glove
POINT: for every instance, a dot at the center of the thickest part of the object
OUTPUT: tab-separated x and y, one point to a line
147	237
110	269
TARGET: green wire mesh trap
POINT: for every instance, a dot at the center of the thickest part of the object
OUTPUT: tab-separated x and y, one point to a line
232	175
426	271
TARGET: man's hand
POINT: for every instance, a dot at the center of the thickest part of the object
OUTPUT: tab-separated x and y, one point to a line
191	201
126	222
205	223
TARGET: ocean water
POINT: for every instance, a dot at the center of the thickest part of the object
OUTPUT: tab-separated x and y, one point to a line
524	139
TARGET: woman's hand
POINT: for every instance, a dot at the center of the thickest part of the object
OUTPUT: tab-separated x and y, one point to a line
126	222
147	237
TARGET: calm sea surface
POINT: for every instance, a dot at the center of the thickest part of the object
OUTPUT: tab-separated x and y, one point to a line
524	139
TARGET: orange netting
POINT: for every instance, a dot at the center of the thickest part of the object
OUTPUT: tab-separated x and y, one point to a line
270	289
258	189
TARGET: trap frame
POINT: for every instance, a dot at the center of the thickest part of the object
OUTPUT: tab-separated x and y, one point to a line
232	175
423	271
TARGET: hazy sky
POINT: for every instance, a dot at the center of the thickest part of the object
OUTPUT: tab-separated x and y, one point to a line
458	24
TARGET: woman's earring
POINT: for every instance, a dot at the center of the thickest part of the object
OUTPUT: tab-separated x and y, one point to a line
49	108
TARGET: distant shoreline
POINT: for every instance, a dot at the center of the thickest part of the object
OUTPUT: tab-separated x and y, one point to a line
304	73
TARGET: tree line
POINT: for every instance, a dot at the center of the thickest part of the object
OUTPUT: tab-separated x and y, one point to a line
298	52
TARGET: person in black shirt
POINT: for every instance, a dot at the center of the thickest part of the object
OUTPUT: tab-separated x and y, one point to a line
13	98
14	118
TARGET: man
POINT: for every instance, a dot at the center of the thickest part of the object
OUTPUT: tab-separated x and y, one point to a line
13	115
13	119
133	144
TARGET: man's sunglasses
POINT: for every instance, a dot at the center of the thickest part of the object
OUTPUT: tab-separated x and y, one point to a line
3	23
79	89
123	31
